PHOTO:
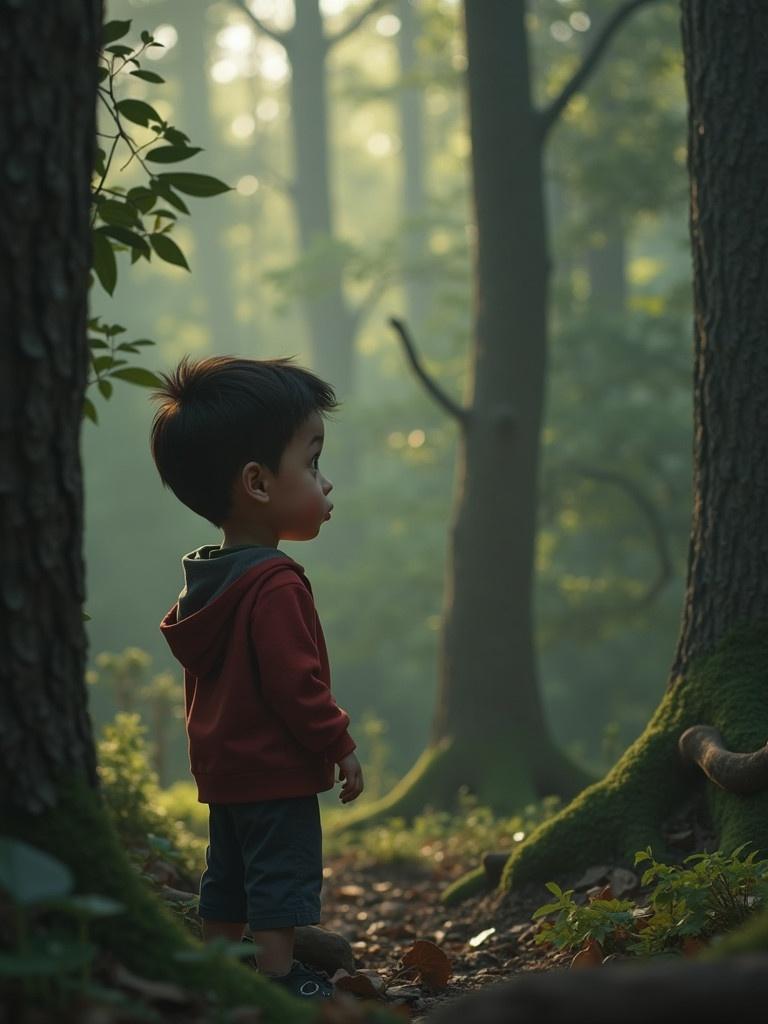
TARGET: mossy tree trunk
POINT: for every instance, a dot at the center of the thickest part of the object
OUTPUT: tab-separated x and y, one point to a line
489	732
48	785
719	675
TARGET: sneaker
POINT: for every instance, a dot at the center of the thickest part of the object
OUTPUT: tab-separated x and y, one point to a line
307	984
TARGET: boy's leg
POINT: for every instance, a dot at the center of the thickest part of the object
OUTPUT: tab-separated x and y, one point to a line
222	930
275	950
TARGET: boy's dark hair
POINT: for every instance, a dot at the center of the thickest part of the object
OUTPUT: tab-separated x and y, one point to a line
221	412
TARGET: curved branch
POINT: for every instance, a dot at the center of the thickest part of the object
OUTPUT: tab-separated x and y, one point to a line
355	23
737	773
273	33
458	412
551	113
649	510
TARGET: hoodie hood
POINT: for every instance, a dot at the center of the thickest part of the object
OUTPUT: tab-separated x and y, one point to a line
198	627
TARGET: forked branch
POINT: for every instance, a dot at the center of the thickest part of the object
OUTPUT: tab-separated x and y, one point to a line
577	81
458	412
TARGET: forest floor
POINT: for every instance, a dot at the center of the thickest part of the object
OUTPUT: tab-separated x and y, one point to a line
383	910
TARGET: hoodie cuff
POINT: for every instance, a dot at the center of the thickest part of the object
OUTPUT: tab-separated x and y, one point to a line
340	748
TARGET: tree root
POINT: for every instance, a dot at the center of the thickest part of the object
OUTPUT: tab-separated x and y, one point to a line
623	813
663	992
736	773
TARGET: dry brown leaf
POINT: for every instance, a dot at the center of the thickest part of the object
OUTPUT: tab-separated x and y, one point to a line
430	961
692	946
360	984
590	956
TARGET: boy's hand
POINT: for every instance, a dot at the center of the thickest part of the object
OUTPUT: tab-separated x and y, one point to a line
351	772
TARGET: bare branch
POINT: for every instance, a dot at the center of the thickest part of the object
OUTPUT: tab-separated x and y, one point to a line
649	510
458	412
550	115
356	22
273	33
736	773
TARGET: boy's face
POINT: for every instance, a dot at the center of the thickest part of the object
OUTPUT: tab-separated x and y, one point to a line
298	496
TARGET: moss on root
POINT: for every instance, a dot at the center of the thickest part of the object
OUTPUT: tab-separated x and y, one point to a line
612	819
145	937
470	884
623	813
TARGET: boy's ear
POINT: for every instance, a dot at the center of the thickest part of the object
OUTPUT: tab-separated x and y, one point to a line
255	481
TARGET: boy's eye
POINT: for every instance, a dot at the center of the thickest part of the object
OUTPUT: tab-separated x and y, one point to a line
316	460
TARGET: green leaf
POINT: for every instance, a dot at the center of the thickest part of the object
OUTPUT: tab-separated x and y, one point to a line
115	211
146	37
194	184
119	51
104	262
138	111
554	888
175	137
136	375
141	198
167	250
126	237
148	76
171	154
113	30
89	410
31	876
169	195
101	74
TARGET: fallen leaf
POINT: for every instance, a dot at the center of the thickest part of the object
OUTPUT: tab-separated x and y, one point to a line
430	961
590	956
350	891
479	939
606	893
360	984
692	946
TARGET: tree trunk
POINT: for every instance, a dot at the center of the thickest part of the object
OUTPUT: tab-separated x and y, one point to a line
211	264
47	136
48	791
329	319
489	731
488	699
717	675
411	110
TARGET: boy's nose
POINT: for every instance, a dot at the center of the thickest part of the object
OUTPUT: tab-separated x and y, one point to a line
327	486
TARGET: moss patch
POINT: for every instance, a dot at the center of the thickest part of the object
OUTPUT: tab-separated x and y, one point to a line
623	813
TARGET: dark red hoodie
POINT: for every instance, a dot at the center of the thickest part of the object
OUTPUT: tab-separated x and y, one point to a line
261	720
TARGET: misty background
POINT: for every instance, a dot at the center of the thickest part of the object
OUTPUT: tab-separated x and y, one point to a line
612	540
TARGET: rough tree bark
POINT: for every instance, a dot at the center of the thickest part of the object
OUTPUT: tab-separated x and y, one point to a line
718	675
489	732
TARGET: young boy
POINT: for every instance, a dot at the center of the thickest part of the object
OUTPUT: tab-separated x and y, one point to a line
238	441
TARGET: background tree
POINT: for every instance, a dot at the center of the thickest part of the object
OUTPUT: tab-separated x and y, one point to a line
487	734
718	672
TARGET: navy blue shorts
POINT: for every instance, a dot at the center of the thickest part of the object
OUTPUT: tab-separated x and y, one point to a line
264	863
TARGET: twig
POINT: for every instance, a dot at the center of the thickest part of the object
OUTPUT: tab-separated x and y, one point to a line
458	412
551	113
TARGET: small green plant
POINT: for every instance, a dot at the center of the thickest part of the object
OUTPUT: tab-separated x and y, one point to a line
46	961
690	904
606	921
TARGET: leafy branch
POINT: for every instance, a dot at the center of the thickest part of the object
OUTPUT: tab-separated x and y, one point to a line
139	220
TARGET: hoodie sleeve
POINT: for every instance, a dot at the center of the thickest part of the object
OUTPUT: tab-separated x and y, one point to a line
290	668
